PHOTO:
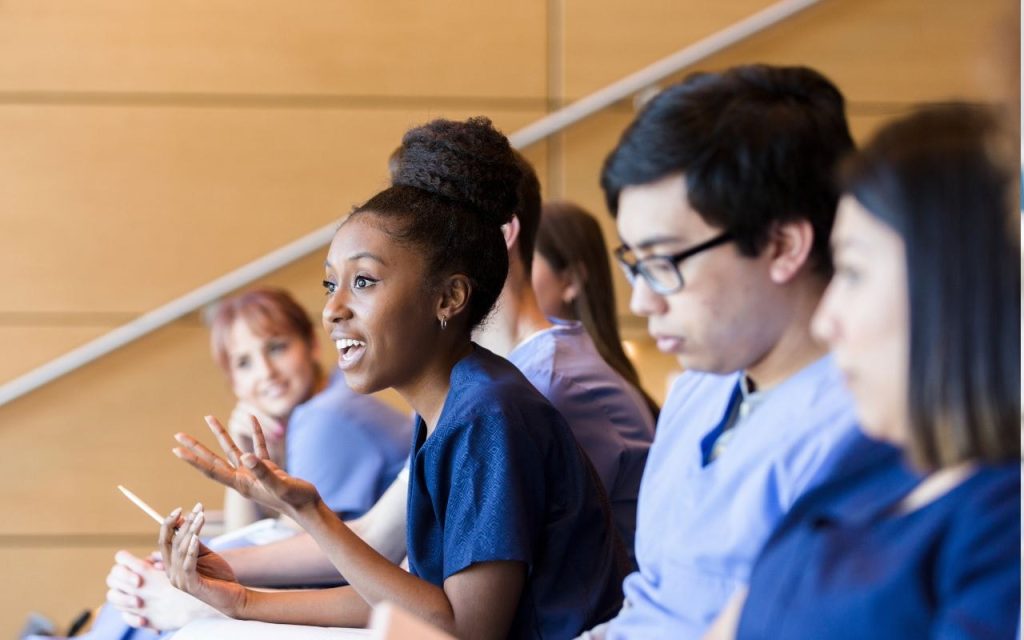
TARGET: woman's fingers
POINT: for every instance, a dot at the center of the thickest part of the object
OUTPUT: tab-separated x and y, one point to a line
191	558
207	462
124	601
260	441
134	620
170	523
178	572
123	579
226	443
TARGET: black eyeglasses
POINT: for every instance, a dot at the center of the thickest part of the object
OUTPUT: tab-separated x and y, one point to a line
662	272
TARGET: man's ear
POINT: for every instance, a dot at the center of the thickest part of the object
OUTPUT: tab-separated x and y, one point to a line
790	245
511	232
454	298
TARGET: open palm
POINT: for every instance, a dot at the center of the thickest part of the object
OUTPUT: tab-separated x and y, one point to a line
254	475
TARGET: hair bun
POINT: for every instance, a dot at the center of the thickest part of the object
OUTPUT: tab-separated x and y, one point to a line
468	162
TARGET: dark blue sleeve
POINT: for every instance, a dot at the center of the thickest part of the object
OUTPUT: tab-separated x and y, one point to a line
979	566
494	509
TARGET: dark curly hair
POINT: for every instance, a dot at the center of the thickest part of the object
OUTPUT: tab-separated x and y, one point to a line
757	145
454	187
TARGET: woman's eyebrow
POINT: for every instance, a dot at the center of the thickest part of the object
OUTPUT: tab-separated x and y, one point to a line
359	256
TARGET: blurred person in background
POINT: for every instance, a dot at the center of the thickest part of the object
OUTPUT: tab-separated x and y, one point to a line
572	278
350	446
923	540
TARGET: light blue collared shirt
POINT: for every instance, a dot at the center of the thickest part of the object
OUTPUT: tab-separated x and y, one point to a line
700	528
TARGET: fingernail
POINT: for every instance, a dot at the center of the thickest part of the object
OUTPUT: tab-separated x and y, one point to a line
197	508
180	437
177	452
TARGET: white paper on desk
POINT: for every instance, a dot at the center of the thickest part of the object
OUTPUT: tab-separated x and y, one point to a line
258	533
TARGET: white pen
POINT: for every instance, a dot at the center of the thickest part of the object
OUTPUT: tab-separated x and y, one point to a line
142	505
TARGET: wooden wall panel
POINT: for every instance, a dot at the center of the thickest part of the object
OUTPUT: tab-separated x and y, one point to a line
406	48
605	40
119	209
875	50
887	51
68	444
59	582
27	346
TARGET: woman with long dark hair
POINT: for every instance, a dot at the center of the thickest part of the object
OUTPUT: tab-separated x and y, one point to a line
573	279
923	538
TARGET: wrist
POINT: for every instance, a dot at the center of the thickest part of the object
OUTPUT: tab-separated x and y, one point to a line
310	512
241	606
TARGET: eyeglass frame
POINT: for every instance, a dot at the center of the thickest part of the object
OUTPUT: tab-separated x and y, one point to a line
636	268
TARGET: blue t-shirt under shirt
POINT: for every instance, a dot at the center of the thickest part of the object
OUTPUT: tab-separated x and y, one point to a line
502	478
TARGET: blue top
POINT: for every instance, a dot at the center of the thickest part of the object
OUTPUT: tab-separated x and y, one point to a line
350	446
501	478
607	415
843	564
700	528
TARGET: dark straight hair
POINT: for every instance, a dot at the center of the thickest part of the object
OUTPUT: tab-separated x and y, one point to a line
756	145
939	180
570	239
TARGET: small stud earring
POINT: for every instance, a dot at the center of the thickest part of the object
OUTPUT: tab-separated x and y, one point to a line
444	322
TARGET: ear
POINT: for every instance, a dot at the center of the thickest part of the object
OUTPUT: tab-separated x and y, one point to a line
572	280
790	245
511	232
454	299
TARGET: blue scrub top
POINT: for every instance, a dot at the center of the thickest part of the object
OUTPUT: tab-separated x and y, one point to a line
607	415
350	446
501	478
844	565
700	527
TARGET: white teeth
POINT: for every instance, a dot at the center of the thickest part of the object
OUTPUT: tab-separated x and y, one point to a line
274	390
345	343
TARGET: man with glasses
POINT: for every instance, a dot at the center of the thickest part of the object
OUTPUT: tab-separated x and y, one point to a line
723	194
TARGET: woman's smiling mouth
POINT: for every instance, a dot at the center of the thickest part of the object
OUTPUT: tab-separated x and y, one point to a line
349	350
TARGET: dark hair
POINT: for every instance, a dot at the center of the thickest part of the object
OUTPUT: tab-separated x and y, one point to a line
757	146
454	185
936	178
267	311
570	239
528	211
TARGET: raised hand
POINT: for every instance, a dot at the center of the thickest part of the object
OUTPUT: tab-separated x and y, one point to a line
212	580
254	475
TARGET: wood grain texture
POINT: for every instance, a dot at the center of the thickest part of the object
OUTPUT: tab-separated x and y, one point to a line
359	47
121	209
875	50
